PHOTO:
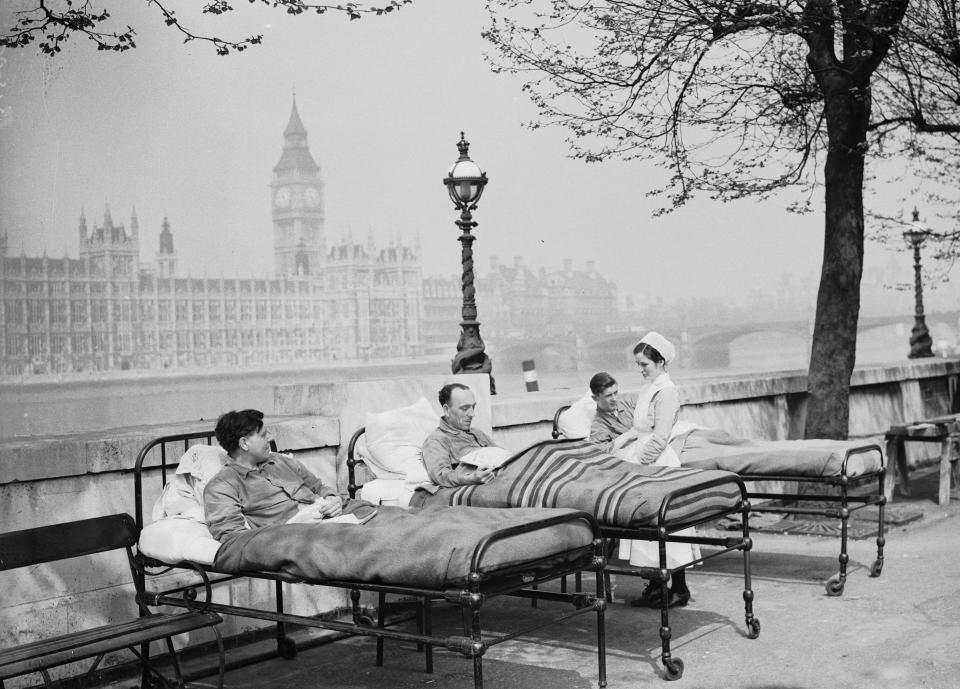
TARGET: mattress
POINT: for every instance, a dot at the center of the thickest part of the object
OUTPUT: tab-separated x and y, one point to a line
819	458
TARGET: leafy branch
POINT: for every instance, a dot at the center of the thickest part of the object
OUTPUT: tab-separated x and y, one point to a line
52	23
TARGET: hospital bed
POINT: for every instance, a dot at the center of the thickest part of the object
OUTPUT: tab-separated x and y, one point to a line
837	467
475	555
641	503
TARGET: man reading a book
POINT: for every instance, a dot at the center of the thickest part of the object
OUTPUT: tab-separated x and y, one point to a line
445	448
258	487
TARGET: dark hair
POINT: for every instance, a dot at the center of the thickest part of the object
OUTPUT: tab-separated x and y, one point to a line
235	425
651	353
600	382
447	390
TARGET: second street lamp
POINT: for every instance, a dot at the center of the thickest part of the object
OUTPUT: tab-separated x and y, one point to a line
465	182
920	340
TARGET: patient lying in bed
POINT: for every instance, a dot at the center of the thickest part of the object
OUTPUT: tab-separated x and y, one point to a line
548	474
607	420
286	520
258	488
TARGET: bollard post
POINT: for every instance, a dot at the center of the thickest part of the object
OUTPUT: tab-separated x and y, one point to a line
530	375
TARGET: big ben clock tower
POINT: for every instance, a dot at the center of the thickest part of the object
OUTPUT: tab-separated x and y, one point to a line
299	241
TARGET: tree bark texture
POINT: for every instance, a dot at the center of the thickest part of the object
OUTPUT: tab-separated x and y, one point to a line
844	80
834	347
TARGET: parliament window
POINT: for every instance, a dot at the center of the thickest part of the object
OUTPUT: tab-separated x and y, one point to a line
38	312
60	312
14	312
98	311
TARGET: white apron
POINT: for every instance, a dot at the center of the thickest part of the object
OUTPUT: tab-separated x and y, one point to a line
646	553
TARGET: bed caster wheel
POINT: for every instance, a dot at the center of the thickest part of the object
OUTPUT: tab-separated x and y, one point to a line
287	648
834	586
674	668
876	568
753	629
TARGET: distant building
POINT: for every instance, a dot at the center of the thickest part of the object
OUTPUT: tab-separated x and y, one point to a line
107	311
516	304
330	299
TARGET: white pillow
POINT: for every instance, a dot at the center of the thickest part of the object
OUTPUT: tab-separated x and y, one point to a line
575	422
183	495
486	457
175	538
202	462
395	440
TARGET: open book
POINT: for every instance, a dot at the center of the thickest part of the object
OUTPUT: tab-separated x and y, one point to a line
486	457
308	515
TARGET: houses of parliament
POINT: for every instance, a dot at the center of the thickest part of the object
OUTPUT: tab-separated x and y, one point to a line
329	301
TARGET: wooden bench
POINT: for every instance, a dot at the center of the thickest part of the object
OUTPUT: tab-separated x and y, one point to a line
942	429
86	537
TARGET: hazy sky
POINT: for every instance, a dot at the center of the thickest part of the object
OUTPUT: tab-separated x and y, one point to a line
174	129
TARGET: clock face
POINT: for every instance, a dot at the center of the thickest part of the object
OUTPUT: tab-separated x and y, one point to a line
312	196
282	197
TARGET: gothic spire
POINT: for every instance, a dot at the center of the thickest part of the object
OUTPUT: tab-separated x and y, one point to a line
296	153
295	126
166	238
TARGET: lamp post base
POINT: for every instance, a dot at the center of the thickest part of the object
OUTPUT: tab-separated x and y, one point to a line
471	356
920	341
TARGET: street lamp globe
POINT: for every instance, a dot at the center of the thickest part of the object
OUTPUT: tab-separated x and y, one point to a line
917	232
465	180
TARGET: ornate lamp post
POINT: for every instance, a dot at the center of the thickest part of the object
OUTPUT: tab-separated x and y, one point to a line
920	340
465	182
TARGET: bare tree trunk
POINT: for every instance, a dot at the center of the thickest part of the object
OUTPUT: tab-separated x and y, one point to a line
833	351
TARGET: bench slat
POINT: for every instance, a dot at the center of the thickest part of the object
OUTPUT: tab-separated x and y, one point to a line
89	643
70	539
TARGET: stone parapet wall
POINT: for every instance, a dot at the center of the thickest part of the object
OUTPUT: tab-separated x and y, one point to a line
765	405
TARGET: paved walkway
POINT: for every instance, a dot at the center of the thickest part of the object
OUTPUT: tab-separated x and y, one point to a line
898	631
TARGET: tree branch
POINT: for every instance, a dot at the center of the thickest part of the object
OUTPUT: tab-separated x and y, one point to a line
51	23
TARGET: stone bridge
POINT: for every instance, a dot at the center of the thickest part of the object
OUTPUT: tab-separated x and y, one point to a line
706	347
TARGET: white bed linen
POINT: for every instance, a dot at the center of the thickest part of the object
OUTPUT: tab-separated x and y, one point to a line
173	539
387	491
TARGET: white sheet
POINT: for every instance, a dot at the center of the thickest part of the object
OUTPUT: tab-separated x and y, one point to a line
386	491
173	539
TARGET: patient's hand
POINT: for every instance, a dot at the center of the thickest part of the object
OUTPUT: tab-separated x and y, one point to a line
329	506
482	474
319	510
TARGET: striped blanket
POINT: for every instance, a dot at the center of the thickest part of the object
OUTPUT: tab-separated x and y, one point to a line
576	474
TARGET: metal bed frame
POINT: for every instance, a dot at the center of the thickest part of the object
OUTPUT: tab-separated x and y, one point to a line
517	581
665	531
848	504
